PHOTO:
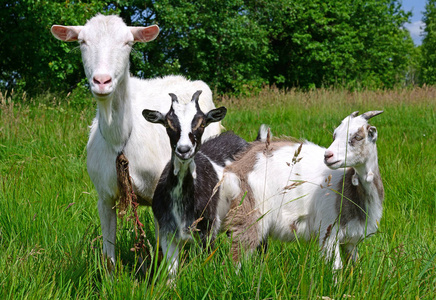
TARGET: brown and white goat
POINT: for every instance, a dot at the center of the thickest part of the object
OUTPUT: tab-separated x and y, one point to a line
288	190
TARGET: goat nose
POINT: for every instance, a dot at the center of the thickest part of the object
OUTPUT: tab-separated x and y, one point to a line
328	154
183	149
102	79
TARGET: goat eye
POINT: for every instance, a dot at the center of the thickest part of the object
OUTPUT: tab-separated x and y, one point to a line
82	42
358	137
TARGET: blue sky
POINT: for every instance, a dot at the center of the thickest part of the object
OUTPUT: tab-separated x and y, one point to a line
417	7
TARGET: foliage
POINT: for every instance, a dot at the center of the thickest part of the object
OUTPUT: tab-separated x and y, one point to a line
236	46
413	73
215	41
428	65
336	42
32	60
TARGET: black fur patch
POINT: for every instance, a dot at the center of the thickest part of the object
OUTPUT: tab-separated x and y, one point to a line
196	199
223	147
173	130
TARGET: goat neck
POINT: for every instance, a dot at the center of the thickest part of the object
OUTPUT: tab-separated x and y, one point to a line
367	175
366	172
180	167
114	115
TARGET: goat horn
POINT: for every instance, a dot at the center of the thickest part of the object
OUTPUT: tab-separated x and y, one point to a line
369	114
173	97
196	95
354	114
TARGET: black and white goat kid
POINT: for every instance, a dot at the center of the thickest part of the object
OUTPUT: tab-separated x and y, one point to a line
184	198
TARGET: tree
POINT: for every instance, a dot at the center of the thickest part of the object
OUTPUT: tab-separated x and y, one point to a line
325	42
32	60
233	45
212	40
428	63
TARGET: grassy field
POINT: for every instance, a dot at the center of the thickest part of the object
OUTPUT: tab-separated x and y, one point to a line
50	243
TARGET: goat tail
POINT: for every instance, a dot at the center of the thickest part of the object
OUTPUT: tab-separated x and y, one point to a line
264	134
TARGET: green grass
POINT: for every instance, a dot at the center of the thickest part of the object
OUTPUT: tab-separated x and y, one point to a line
50	244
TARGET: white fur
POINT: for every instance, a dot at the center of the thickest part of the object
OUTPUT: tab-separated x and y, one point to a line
297	198
185	114
106	43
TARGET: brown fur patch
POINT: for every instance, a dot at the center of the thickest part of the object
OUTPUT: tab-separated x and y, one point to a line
379	185
354	200
242	219
170	125
199	123
358	138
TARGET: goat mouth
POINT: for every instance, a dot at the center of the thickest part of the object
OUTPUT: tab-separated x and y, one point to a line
332	164
184	157
101	95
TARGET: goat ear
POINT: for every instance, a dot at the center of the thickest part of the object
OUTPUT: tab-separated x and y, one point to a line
153	116
216	115
66	33
144	34
354	114
372	133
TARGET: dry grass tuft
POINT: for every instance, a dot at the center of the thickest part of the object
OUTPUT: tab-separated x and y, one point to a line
273	97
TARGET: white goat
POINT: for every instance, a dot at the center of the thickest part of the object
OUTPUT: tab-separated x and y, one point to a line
185	202
295	190
105	43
